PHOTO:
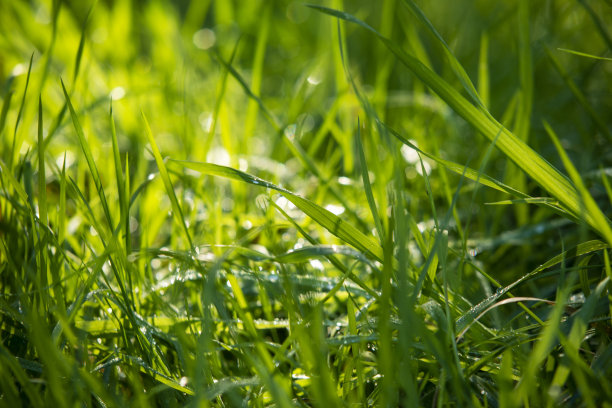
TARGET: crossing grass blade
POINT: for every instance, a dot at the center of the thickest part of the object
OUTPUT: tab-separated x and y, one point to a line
368	186
454	63
584	54
534	165
323	217
17	144
90	160
582	99
580	250
178	212
587	202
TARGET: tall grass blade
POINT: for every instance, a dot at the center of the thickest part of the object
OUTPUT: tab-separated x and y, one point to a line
520	153
178	212
323	217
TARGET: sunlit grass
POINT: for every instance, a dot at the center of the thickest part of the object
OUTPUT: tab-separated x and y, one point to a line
211	203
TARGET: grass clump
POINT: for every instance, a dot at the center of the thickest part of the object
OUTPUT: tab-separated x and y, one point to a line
269	203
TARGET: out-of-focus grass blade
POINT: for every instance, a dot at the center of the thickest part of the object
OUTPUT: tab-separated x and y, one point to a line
258	64
530	200
305	254
118	173
89	157
15	146
79	54
454	63
582	249
587	203
584	54
272	119
42	177
15	366
606	184
367	186
483	70
601	124
6	104
462	169
516	150
326	219
178	212
158	376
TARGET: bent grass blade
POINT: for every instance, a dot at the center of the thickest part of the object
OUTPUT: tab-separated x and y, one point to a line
323	217
534	165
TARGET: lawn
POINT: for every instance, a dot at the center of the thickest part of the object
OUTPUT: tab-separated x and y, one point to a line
350	203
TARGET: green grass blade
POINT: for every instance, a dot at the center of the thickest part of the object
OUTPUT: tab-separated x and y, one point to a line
516	150
584	54
455	65
367	186
326	219
123	204
579	95
483	70
582	249
6	104
90	160
42	177
17	144
178	212
587	202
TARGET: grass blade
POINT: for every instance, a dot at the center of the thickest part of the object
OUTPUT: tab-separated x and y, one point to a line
178	212
326	219
534	165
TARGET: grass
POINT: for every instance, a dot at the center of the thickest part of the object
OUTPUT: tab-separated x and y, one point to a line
270	203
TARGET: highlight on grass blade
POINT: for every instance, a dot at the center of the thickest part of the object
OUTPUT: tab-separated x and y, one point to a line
323	217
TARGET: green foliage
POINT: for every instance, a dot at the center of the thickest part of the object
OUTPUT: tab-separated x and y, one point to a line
392	203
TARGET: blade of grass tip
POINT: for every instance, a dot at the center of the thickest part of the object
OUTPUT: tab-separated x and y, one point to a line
590	206
584	54
367	186
579	95
516	150
15	144
89	158
178	212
